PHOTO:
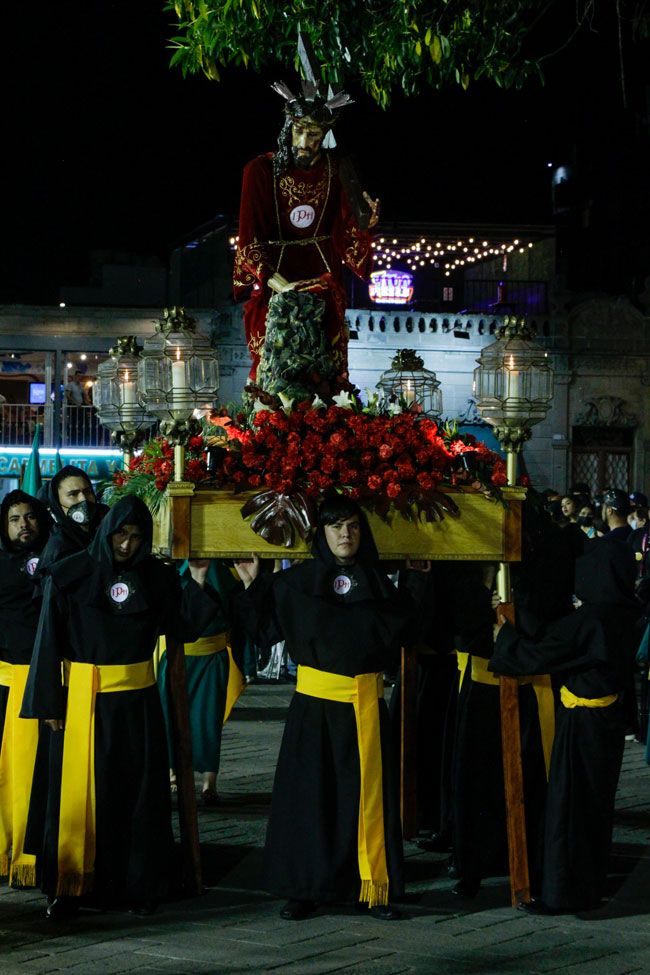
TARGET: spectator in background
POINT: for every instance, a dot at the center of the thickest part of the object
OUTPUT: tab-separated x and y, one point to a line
614	512
75	390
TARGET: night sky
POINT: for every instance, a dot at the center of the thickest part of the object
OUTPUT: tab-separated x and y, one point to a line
108	148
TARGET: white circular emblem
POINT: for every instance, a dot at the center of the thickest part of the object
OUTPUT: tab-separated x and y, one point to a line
31	565
302	216
342	585
78	516
119	592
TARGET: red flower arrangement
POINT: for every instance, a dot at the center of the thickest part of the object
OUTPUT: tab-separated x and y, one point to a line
150	472
378	460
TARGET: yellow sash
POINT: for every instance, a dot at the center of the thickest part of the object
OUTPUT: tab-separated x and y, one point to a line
363	692
77	814
17	757
569	700
207	645
462	660
545	701
5	673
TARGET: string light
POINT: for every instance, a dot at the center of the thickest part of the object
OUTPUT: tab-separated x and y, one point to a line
417	252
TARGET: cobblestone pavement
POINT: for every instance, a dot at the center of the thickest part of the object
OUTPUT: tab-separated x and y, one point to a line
234	927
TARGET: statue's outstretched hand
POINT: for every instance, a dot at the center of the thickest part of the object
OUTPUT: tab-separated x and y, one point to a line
375	207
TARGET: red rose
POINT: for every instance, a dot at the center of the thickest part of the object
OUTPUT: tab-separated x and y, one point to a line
385	451
196	443
254	480
262	418
375	483
393	490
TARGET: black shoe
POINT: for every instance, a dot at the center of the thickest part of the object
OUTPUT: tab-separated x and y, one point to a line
537	907
436	843
384	912
143	908
466	888
295	910
62	908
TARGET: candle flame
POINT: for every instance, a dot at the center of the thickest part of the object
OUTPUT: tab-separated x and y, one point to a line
126	376
511	364
178	352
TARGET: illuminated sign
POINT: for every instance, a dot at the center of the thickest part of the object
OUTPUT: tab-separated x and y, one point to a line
391	287
96	463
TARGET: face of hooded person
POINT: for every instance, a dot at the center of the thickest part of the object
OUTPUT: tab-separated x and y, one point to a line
125	542
344	538
73	491
22	525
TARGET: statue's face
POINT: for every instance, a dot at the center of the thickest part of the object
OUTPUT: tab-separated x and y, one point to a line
306	139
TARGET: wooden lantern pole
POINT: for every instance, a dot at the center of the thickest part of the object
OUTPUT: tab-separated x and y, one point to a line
511	741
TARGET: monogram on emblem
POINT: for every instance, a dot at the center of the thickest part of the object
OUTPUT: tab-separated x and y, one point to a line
119	592
342	585
302	215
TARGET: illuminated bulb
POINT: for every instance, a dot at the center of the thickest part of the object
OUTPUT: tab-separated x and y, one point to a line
530	245
515	241
62	304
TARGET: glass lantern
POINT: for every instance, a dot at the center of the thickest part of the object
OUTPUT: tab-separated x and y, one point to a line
407	380
513	384
116	397
178	371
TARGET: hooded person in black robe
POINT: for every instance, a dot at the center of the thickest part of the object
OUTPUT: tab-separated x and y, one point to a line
76	517
105	607
339	615
587	652
24	528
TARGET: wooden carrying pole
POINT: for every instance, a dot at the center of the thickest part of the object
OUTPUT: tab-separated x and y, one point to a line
408	737
511	747
182	750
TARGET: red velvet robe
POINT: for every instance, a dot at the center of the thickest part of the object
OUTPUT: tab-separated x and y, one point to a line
299	205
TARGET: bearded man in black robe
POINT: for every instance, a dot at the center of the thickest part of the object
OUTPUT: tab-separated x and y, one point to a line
107	828
334	832
24	529
587	653
71	499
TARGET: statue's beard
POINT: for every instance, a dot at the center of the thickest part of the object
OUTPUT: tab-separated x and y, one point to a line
304	160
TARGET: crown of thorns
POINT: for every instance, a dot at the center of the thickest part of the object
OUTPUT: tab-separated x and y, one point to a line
311	103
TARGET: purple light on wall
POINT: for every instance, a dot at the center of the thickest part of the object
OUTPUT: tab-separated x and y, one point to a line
391	287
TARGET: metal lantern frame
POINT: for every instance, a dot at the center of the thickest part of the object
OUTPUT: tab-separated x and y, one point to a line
116	396
408	381
513	385
178	371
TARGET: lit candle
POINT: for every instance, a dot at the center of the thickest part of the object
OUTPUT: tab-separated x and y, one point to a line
128	391
514	380
179	380
409	393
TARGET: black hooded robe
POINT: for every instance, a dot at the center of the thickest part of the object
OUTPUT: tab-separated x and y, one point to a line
312	838
19	608
66	537
79	621
587	651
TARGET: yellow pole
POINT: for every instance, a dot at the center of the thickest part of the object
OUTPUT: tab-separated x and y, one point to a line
126	460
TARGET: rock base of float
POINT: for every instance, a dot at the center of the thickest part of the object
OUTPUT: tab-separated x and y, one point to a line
197	522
